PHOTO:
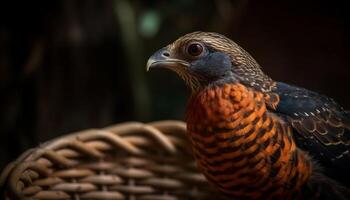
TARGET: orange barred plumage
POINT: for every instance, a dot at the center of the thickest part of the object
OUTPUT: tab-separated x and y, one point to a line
243	149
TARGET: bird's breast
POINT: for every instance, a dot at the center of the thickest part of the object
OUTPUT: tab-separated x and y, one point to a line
240	147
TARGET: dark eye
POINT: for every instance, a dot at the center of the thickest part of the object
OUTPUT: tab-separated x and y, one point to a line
195	49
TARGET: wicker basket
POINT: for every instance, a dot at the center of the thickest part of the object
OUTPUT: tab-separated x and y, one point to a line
131	161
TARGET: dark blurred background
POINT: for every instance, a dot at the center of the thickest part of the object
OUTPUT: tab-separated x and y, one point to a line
67	65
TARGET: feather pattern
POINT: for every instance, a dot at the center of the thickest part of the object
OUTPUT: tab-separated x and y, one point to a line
320	126
245	150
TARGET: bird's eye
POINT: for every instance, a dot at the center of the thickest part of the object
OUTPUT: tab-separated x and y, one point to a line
195	49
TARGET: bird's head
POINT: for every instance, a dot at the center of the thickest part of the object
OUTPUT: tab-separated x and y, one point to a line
205	58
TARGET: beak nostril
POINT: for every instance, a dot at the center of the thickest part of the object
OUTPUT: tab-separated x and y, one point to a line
166	54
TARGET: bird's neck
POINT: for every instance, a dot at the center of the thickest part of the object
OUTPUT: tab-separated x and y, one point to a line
244	150
253	76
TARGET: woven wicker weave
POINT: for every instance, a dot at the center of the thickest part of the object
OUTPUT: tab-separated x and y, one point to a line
133	161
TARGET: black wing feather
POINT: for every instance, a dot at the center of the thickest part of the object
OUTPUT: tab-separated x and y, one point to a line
321	127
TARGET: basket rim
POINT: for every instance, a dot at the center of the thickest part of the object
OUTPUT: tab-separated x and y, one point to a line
11	174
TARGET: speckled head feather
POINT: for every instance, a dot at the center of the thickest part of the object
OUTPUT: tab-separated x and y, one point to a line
244	65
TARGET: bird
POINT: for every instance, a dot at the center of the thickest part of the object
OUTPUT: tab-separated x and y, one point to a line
254	137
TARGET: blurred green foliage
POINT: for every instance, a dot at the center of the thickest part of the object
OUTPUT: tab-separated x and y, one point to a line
149	23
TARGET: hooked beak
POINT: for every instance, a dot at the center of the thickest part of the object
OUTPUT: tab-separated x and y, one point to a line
162	59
